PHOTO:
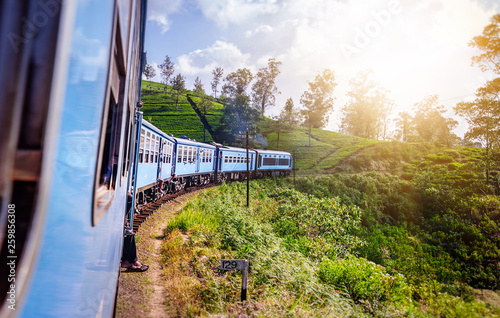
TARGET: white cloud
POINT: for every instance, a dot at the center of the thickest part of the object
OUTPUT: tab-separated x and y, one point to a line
159	10
225	12
223	54
259	30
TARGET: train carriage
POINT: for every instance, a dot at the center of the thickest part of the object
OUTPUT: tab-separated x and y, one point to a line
154	161
273	163
232	162
194	162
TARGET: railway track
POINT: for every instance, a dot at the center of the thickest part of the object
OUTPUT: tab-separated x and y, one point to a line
148	209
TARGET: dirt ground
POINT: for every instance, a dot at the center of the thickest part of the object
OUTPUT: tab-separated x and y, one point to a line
142	294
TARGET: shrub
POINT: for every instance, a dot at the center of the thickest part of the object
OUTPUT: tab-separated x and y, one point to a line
363	280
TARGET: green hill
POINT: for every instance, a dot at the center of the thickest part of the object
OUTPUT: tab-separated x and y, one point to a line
327	148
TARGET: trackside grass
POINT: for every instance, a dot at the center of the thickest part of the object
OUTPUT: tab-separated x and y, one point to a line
308	259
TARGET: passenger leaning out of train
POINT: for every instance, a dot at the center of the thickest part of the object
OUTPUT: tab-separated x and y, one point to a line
129	254
129	251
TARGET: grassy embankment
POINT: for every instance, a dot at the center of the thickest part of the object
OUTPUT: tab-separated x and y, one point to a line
314	253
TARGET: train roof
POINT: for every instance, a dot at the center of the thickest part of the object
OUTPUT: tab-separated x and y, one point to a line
185	141
272	152
156	130
236	149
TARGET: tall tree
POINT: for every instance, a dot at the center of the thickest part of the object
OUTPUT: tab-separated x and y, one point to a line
264	90
289	115
238	116
198	87
404	127
217	76
149	71
236	83
430	123
167	69
366	112
483	117
489	43
179	85
318	100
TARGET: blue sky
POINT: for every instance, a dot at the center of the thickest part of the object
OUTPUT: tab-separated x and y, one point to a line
414	48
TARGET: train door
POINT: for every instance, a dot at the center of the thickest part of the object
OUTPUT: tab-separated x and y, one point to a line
175	146
160	157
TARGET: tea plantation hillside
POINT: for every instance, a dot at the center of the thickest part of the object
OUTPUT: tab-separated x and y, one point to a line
326	150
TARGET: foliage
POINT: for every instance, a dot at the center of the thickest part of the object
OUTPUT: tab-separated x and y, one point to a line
318	99
167	69
217	76
483	117
363	280
149	71
405	128
289	116
179	85
198	87
430	123
489	43
366	113
264	90
236	83
237	117
288	237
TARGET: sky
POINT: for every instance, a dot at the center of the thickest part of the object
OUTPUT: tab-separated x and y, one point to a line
414	48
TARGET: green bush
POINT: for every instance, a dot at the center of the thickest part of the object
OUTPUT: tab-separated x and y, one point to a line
364	280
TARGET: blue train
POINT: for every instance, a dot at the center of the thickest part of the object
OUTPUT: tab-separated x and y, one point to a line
73	145
168	164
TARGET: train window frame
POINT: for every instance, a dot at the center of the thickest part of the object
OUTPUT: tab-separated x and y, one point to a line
185	154
141	146
107	169
179	154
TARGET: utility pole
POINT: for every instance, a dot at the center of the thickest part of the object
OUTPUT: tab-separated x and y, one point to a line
278	135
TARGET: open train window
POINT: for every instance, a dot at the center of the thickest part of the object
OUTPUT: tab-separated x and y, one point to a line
111	128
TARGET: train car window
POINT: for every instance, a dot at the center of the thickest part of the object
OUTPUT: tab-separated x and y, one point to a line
146	147
169	152
269	162
226	159
283	162
141	146
179	154
185	154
